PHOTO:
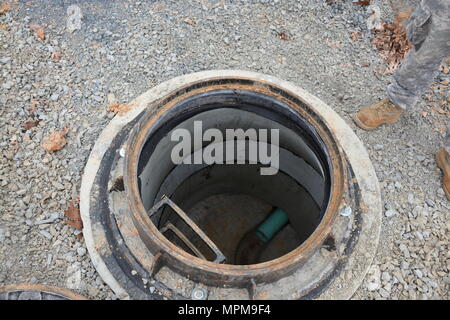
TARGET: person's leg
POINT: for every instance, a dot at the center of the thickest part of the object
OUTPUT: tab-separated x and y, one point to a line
430	35
429	31
417	71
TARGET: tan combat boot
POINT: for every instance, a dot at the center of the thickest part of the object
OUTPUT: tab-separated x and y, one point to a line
443	162
372	116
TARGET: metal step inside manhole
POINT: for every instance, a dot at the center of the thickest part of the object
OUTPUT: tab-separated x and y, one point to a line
230	185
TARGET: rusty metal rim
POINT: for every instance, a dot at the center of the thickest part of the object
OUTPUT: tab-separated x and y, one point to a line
224	274
42	287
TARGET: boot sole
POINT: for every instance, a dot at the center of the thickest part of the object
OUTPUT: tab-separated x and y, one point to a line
445	167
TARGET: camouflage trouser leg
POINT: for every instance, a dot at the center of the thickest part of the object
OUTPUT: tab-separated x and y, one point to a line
429	31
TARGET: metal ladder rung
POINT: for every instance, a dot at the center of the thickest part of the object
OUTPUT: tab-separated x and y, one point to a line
220	258
183	238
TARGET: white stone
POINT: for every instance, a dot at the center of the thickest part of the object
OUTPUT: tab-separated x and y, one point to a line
73	277
374	278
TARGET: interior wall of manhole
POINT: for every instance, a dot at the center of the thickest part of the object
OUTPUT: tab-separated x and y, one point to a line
229	200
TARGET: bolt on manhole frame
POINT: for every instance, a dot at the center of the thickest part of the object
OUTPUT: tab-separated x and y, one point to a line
120	254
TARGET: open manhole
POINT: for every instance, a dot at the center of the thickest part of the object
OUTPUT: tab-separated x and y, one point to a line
230	185
30	291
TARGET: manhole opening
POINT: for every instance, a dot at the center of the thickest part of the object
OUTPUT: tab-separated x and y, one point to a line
251	217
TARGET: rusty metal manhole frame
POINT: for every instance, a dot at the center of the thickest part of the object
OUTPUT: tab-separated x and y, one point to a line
347	277
42	288
226	274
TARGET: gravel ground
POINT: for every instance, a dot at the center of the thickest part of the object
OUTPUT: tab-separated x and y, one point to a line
125	47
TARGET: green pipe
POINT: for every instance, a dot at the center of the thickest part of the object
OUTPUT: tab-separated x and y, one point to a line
274	223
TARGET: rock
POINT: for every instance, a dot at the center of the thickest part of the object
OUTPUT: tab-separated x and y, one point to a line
385	276
327	253
390	213
383	293
4	233
346	212
111	98
417	211
404	265
5	60
378	147
93	292
373	278
75	18
46	234
430	203
53	217
54	97
73	274
404	250
58	185
81	251
418	273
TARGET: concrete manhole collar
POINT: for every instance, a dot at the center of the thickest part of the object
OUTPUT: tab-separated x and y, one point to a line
187	245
